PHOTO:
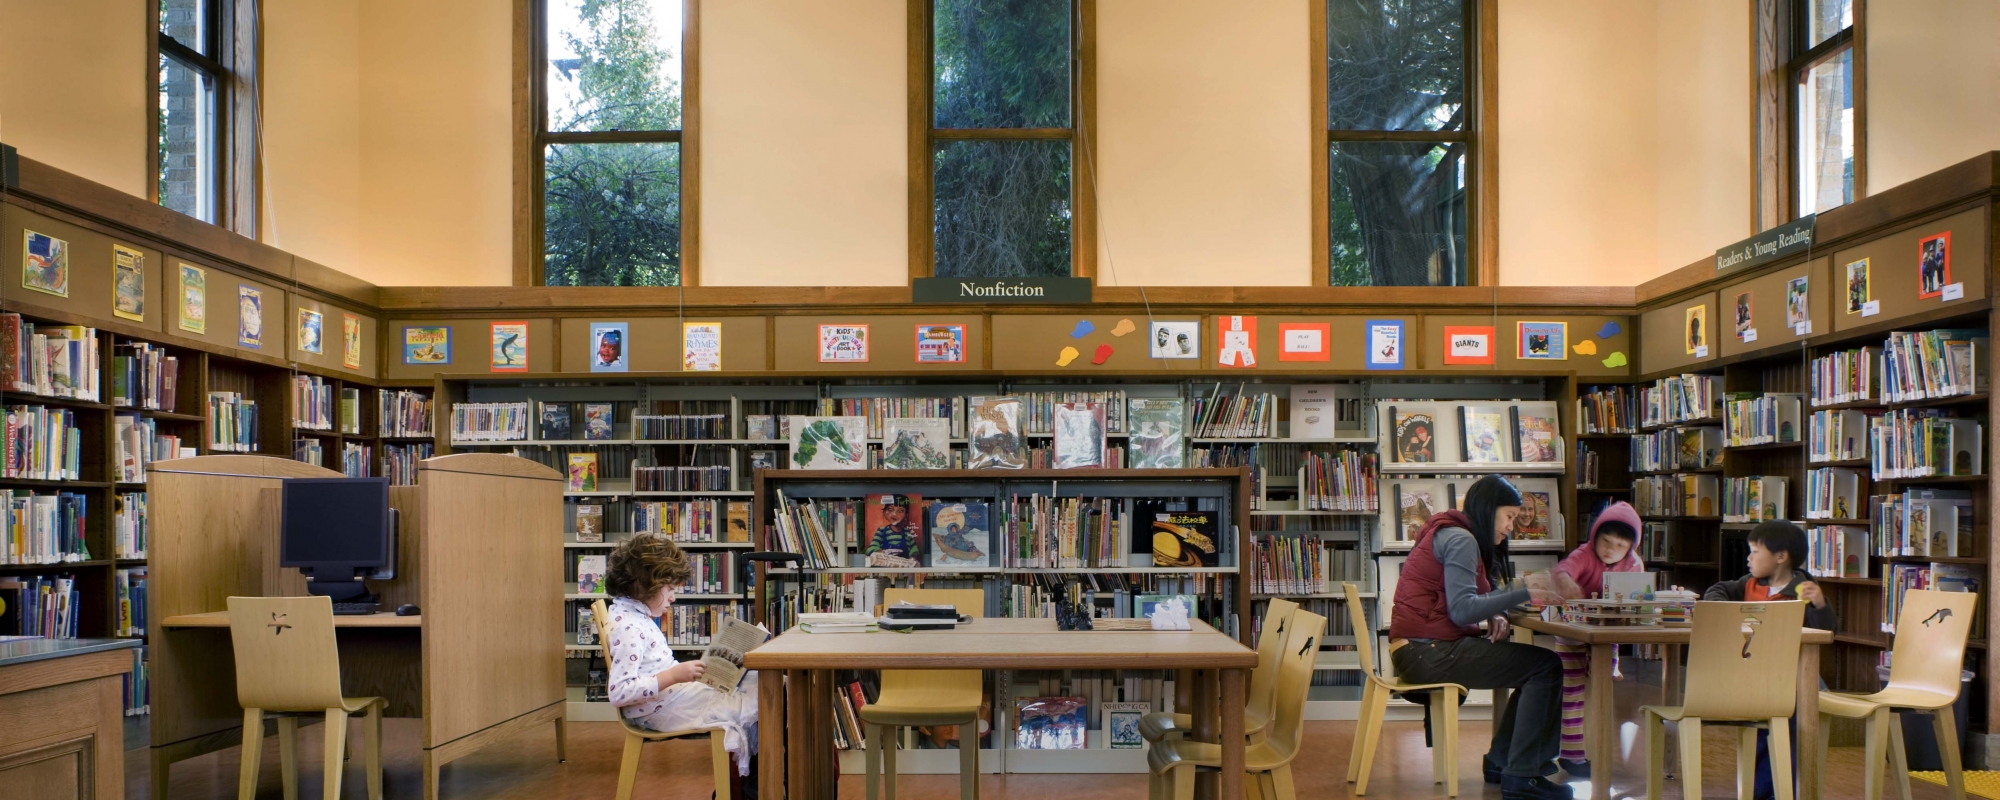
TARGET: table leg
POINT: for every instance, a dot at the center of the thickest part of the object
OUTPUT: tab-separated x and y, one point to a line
1670	695
1597	721
1807	718
797	745
1231	780
1204	727
771	731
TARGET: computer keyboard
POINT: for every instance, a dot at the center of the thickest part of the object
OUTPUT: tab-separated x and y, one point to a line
355	609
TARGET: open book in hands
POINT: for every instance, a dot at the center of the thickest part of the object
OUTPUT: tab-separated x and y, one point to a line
722	662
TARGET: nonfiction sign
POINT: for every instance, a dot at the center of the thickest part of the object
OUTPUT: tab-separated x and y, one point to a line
1000	290
1771	245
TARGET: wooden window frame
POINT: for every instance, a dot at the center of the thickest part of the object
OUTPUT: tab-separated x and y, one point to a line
532	136
923	136
1781	59
236	38
1481	136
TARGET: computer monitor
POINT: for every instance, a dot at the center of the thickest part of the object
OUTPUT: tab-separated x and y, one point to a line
338	531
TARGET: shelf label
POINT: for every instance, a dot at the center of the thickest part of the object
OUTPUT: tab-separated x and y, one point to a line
1802	329
1749	335
1871	308
1954	291
1701	351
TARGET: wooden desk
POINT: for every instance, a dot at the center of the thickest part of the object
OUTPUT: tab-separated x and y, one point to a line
62	717
802	664
220	619
1598	725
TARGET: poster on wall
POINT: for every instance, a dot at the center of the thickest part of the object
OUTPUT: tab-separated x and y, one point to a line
1933	265
1858	294
701	346
45	266
509	347
312	332
350	341
843	344
128	283
426	344
193	299
1176	338
1798	317
940	344
1385	344
1468	344
249	316
609	343
1746	328
1305	341
1697	331
1236	342
1542	341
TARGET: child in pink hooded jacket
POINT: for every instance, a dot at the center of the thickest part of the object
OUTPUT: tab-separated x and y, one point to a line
1613	546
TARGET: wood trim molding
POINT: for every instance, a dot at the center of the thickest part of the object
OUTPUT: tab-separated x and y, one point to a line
691	143
1860	79
918	91
243	147
1322	266
1083	146
149	107
1485	231
524	142
1769	138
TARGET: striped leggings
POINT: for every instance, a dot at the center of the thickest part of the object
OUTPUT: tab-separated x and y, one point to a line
1576	673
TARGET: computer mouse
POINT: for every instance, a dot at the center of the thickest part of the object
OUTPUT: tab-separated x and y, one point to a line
408	610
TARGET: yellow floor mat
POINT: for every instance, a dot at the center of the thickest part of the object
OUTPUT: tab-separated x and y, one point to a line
1983	783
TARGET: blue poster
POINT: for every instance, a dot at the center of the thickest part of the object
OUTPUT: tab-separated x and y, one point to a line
1385	344
610	347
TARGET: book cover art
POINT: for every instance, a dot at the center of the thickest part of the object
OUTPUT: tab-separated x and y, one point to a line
128	283
350	341
1744	323
1185	539
1858	292
250	317
763	459
45	267
1535	432
1050	723
312	331
586	626
1484	433
1155	425
1542	341
1121	724
960	535
582	472
609	343
1415	503
737	525
1532	524
193	299
829	442
993	429
1416	435
1079	435
509	342
894	523
555	422
590	574
916	443
701	346
426	344
940	344
1933	265
589	523
597	422
1796	311
761	427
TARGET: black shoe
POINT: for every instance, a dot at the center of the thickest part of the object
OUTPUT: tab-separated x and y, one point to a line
1513	788
1579	768
1492	770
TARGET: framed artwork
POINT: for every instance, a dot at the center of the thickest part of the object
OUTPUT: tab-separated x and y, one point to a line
1697	330
1744	324
1385	344
1857	286
1933	265
940	344
1542	341
1796	296
1305	341
701	346
610	344
426	344
128	283
1468	344
249	316
350	341
1176	338
45	264
509	347
843	344
1236	342
193	299
311	333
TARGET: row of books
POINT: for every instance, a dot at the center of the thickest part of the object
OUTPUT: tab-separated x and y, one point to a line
129	526
1608	410
1938	577
1694	447
1833	493
309	450
1934	523
49	528
1676	495
1839	551
40	605
675	479
600	422
49	360
1017	595
357	459
1068	532
1750	418
140	442
1235	416
1757	498
232	423
689	521
1846	376
489	422
1681	398
1484	433
1344	480
144	376
1919	443
138	685
681	426
312	401
43	444
1838	435
711	572
403	413
1589	466
692	624
350	411
1038	409
1301	565
399	462
1919	365
129	584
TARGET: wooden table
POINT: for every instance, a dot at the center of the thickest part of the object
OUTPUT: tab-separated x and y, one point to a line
796	724
62	717
1599	707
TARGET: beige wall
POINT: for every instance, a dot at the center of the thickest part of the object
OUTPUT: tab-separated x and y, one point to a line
312	131
1204	143
73	87
1703	114
1933	86
804	151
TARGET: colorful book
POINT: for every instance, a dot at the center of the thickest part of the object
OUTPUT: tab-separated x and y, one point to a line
993	429
1079	435
590	574
555	421
583	472
589	523
960	534
1155	425
916	443
597	422
895	527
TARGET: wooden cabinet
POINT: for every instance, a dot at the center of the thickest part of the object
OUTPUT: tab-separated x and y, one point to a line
62	732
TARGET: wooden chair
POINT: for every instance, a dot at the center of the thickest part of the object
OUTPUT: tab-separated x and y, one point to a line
1742	670
1257	710
1375	691
1268	764
636	735
1923	677
929	698
288	665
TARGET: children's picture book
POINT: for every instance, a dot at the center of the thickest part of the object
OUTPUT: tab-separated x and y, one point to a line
829	442
1236	341
940	344
590	574
843	344
764	459
45	267
1535	431
993	430
1121	724
597	422
128	283
426	344
1051	723
1539	508
701	346
1155	426
312	331
555	422
510	347
1933	265
1796	311
1185	539
722	662
1416	434
1542	341
608	343
250	317
1744	323
960	535
760	426
916	443
586	627
736	527
589	523
193	299
582	472
1858	293
1483	433
1416	501
350	341
1079	435
895	526
1176	339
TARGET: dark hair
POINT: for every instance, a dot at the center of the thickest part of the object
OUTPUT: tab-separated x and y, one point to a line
642	565
1779	536
1617	529
1485	499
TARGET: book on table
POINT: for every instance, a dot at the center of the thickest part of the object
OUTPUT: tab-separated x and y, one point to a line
837	622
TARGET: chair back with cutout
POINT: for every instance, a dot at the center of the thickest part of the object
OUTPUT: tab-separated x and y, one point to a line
1743	660
1295	671
286	655
971	603
1276	626
1931	630
1364	638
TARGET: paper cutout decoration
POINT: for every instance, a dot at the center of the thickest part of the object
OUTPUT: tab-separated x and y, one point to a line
1083	328
1068	354
1468	344
1615	360
1587	347
1236	342
1385	344
1305	341
1542	341
1124	326
1103	354
1609	330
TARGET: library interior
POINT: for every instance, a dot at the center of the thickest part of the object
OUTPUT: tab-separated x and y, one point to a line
767	399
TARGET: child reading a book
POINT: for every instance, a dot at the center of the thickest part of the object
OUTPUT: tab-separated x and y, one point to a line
646	684
1777	548
1612	546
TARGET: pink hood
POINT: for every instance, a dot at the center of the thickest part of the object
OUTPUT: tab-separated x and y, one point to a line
1583	565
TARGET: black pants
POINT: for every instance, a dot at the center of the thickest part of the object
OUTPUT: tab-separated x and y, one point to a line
1529	734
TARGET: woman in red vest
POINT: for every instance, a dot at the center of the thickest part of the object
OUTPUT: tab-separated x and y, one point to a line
1445	592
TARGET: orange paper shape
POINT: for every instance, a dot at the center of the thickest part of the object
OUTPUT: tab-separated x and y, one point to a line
1468	344
1236	342
1305	341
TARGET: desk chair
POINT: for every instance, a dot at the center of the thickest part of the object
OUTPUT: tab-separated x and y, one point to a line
1257	709
1375	691
1173	762
927	697
1923	677
288	664
1742	670
636	735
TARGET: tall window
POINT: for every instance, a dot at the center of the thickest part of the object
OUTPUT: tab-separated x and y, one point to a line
1822	69
1002	184
1399	137
608	138
193	83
